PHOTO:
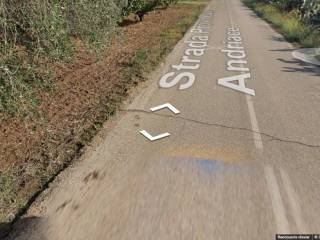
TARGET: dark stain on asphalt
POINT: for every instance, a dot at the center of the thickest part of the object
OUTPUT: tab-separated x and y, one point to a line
75	207
63	205
91	176
137	117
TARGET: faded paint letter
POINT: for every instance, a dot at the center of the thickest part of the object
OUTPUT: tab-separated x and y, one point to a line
189	78
227	82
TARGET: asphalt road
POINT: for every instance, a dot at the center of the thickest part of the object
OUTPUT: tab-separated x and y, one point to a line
238	164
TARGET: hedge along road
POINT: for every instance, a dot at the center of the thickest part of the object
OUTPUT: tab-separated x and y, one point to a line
236	165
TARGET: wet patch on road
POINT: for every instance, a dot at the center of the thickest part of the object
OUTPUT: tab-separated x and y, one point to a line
91	176
214	168
204	170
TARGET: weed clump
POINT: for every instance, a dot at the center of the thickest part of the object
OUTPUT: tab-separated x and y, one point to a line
35	33
288	22
93	21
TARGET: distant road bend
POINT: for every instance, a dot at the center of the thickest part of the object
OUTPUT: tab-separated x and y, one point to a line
223	144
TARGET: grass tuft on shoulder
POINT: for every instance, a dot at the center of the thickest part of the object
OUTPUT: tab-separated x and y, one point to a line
289	24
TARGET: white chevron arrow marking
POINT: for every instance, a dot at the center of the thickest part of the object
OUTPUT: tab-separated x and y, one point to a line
167	105
151	138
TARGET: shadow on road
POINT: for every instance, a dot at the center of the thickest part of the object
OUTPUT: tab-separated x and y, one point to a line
283	50
278	39
4	229
251	14
300	66
18	229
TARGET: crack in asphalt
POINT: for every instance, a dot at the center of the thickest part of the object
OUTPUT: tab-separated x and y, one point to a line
273	138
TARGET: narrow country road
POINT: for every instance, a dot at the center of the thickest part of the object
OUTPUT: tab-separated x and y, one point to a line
241	159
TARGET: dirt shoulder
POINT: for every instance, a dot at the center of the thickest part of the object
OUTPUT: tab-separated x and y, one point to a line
86	93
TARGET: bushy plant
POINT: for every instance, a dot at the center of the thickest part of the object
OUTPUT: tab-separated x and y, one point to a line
288	5
166	3
17	81
133	6
310	12
39	25
28	30
143	6
92	21
36	31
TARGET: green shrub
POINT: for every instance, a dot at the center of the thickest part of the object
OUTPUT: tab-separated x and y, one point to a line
288	5
133	6
310	12
144	6
33	32
39	25
92	21
19	80
289	24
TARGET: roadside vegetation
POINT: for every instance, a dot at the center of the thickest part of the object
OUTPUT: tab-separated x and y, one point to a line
297	20
34	34
65	67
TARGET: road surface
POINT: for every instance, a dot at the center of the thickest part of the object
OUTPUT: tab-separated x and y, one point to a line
237	158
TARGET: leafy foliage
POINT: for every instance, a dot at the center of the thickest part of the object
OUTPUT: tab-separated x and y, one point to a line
166	3
144	6
310	12
33	32
37	31
38	25
295	24
133	6
288	5
92	21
